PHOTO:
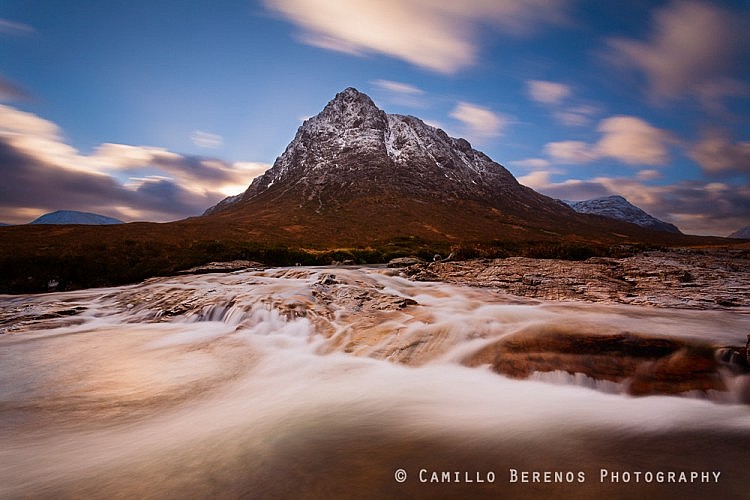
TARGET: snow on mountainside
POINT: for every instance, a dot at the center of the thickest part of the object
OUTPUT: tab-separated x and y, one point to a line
355	176
743	233
75	217
617	207
352	143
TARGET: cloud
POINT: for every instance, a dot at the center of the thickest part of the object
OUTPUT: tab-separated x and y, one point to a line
9	91
570	152
547	92
400	93
693	49
207	140
13	28
627	139
42	173
398	87
576	116
479	122
439	35
530	163
717	154
696	207
632	141
648	175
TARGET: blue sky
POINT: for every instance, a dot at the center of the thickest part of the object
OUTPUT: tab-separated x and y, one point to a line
155	110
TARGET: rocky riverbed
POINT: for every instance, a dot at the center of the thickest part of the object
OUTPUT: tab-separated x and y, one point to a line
687	279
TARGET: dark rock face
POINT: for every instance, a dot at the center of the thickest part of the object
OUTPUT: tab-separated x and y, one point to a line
617	207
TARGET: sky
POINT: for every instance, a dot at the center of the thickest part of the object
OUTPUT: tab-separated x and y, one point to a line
157	109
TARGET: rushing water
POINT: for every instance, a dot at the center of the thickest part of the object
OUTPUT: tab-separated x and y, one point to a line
326	382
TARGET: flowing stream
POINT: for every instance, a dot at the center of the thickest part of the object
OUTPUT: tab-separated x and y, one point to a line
344	382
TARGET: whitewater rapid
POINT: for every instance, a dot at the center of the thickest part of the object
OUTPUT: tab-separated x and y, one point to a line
330	382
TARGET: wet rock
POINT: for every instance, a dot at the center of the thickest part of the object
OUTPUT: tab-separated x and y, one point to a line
405	261
644	365
223	267
678	279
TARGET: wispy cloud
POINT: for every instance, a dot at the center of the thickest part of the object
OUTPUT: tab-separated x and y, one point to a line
13	28
480	123
576	116
547	92
206	140
42	173
627	139
9	91
530	163
717	154
694	49
570	152
403	94
397	87
440	35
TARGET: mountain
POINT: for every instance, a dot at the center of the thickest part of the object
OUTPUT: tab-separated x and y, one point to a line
617	207
74	217
354	174
743	233
355	184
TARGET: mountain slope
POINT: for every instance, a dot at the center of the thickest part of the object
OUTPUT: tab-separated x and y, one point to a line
354	175
743	233
74	217
617	207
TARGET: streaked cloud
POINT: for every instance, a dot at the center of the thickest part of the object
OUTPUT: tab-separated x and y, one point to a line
693	49
398	87
576	116
9	91
648	175
13	28
530	163
440	35
547	92
42	173
717	154
632	141
206	140
479	122
570	152
400	93
627	139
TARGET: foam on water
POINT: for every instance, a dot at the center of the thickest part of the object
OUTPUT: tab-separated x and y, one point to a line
236	392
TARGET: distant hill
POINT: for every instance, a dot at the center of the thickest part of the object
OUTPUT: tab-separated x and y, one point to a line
75	217
617	207
743	233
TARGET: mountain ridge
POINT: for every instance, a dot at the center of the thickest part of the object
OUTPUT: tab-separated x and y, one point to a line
354	184
619	208
355	165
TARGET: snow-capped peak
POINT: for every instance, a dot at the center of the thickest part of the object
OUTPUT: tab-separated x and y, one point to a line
617	207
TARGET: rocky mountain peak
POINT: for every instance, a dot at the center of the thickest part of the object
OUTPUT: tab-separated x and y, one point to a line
352	147
617	207
350	109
